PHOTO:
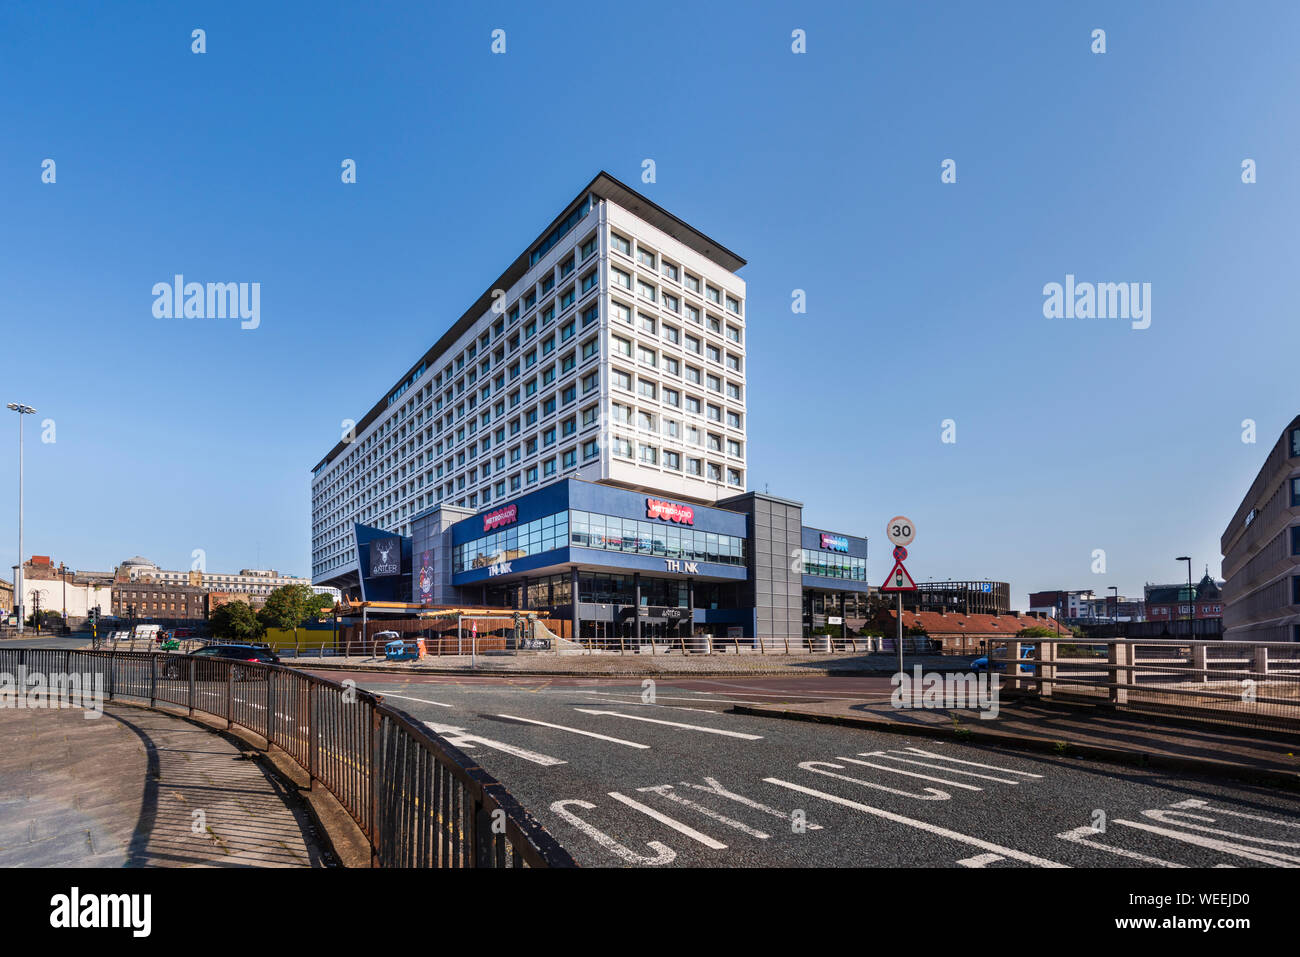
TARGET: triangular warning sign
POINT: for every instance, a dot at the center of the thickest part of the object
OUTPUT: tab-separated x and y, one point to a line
898	580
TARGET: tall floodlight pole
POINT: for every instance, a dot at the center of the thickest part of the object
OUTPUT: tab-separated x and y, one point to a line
22	410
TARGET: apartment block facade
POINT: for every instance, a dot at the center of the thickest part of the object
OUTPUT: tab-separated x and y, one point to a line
1261	550
611	350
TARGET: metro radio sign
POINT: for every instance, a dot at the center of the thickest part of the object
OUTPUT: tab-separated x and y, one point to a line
669	511
502	516
836	543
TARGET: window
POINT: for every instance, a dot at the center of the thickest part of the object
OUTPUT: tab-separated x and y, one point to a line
588	247
733	305
589	280
712	294
647	388
648	454
590	348
621	244
692	344
671	366
569	458
672	460
692	283
647	356
645	257
623	346
733	448
590	315
733	419
714	353
671	303
647	323
621	278
733	391
669	270
693	466
590	449
671	334
622	312
647	290
672	397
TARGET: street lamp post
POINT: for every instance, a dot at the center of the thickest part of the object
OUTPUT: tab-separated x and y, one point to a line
1114	615
1190	595
22	410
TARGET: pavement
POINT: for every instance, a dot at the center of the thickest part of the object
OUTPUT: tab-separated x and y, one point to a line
702	771
138	788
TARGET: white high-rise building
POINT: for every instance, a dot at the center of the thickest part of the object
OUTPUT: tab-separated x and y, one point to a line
611	350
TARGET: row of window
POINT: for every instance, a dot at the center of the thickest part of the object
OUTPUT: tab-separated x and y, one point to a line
594	530
830	565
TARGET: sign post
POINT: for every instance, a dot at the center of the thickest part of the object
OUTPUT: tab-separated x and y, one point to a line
901	531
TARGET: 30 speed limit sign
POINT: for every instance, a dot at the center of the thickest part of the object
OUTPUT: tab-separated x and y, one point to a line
900	530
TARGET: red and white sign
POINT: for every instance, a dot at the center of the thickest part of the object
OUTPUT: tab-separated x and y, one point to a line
898	580
502	516
669	511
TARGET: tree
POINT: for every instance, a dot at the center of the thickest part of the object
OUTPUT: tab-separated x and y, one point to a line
236	621
320	606
287	607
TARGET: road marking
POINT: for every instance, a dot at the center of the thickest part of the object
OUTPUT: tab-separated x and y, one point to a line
934	794
1259	854
889	756
712	786
663	853
1164	818
911	774
981	860
666	790
386	694
919	825
973	764
675	824
1205	806
666	697
675	724
461	737
1077	837
560	727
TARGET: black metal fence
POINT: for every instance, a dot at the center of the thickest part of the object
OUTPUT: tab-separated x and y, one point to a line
419	800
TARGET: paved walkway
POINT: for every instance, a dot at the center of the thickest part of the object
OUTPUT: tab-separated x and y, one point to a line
1085	732
137	788
612	664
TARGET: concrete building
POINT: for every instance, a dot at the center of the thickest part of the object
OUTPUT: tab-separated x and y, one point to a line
612	350
971	597
576	444
1261	550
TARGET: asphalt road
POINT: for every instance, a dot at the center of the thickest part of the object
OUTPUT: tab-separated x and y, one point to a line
626	775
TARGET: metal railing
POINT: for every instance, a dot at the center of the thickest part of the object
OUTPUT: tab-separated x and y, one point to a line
1247	684
419	800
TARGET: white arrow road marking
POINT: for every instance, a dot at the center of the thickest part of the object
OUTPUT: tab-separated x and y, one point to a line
666	790
461	738
981	860
1262	855
912	774
675	724
920	825
386	694
675	824
890	756
973	764
1077	836
663	853
560	727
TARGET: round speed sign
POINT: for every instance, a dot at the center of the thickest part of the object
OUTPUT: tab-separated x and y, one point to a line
900	530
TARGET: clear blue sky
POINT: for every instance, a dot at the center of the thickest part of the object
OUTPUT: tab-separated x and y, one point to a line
823	170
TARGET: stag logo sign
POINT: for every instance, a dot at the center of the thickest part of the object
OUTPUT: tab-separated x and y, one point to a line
502	516
385	557
669	511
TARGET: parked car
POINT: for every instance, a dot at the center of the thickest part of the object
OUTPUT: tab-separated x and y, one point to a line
1026	651
210	663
